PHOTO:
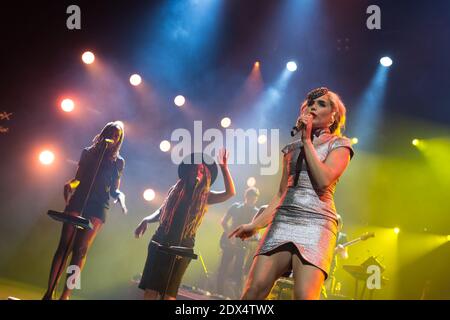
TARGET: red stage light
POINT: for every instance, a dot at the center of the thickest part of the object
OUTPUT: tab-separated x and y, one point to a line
67	105
88	57
46	157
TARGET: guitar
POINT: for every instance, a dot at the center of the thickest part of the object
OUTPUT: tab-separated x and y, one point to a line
330	286
363	237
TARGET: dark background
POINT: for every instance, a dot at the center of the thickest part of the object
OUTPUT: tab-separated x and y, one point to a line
207	56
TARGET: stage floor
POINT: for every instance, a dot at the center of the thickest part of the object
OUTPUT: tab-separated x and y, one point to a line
23	291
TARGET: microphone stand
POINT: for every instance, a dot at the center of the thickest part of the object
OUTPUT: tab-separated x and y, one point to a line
174	252
72	238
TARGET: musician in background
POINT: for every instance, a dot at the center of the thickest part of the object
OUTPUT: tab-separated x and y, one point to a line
233	250
340	252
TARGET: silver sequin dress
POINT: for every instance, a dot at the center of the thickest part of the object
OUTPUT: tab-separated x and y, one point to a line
306	216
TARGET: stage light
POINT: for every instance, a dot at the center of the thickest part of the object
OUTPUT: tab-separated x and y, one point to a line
256	65
354	140
448	237
396	230
415	142
386	62
135	79
226	122
291	66
179	100
46	157
370	108
67	105
164	146
120	123
149	195
251	182
88	57
262	139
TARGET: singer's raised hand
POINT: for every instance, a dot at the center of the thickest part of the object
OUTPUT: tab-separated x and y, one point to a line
306	125
222	157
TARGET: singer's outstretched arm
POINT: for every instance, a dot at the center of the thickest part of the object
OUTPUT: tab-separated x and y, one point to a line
142	226
261	221
266	216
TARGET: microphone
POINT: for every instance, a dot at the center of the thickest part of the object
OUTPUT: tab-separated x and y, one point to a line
296	129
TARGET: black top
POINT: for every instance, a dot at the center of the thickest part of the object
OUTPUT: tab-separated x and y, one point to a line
241	214
172	237
104	186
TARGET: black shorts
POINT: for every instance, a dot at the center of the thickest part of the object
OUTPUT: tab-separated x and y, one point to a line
156	271
92	209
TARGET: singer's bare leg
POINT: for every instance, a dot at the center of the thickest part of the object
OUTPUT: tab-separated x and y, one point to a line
67	233
308	279
83	241
265	270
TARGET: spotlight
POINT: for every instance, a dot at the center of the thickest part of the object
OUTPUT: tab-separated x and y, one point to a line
135	79
262	139
354	140
46	157
291	66
88	57
164	146
251	182
120	123
396	230
67	105
226	122
415	142
179	100
149	195
257	64
386	62
448	237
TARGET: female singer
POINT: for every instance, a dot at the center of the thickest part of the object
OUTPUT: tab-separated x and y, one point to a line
302	216
180	217
91	203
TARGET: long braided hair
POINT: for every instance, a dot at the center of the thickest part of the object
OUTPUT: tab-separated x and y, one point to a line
197	206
